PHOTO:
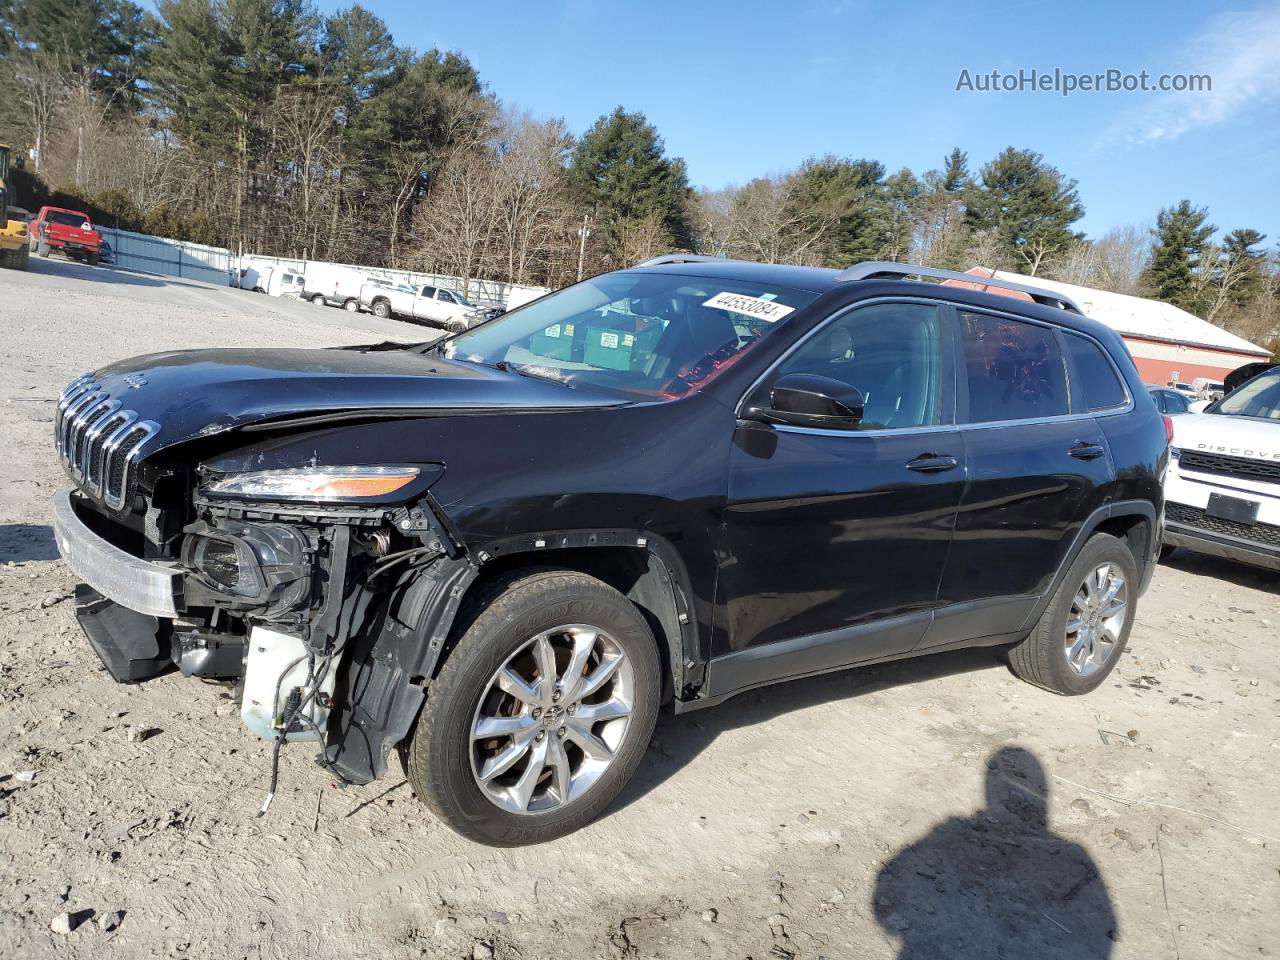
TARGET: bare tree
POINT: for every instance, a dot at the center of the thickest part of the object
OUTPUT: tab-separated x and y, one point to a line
641	238
985	249
1122	254
303	119
42	87
533	214
766	225
459	219
712	218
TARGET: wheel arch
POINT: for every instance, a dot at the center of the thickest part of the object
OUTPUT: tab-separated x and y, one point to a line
412	628
1133	521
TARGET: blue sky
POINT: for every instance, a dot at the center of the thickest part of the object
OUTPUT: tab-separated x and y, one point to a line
745	88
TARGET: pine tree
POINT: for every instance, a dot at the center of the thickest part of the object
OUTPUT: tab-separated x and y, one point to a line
1028	203
955	171
849	196
1181	233
620	171
1247	265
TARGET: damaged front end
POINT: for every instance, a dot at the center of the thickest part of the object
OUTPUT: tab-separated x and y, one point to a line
325	593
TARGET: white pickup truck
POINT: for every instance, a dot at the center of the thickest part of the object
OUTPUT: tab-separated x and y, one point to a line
1222	491
433	305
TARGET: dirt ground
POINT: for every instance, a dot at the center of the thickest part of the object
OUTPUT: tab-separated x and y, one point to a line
935	808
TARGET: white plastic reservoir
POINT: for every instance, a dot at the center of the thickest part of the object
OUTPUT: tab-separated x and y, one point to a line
276	665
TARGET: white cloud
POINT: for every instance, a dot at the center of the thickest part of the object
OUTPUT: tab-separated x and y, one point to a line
1240	51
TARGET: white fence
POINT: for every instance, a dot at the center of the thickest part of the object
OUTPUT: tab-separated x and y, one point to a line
178	258
169	258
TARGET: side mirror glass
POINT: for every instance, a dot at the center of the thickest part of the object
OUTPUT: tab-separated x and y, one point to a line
809	400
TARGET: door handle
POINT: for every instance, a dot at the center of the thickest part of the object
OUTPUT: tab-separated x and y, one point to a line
1087	451
932	463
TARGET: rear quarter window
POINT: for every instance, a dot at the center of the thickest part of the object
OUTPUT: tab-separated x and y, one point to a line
1093	375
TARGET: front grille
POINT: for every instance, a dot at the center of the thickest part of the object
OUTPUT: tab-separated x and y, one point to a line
1192	517
97	440
1266	471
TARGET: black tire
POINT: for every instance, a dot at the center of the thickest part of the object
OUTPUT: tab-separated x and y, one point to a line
42	249
318	299
92	259
505	618
1041	658
24	258
382	309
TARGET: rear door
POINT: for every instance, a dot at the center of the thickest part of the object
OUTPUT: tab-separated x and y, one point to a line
835	540
1038	466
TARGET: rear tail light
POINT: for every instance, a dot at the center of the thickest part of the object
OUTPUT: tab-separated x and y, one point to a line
1168	429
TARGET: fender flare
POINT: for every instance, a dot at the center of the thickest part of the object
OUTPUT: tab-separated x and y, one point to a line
1120	508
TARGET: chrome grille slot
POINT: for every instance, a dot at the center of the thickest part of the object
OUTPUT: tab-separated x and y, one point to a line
97	441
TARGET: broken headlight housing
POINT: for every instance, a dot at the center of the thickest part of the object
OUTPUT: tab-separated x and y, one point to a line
315	484
250	564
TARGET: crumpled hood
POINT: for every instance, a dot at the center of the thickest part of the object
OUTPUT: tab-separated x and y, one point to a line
1235	436
204	392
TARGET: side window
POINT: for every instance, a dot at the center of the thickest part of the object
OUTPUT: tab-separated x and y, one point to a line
1014	369
446	297
1176	403
1098	382
427	292
891	352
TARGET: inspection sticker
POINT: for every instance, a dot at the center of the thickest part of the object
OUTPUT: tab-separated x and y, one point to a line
749	306
609	340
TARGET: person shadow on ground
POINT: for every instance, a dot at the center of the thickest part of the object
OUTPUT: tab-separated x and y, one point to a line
998	884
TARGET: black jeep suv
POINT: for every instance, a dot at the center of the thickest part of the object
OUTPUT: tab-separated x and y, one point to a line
501	552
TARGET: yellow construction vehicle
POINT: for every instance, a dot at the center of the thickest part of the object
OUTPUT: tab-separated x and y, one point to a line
14	251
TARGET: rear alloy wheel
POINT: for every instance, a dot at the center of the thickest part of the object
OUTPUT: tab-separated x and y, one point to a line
540	714
351	306
1082	632
318	300
382	309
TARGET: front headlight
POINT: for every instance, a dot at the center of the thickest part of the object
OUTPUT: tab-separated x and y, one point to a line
313	483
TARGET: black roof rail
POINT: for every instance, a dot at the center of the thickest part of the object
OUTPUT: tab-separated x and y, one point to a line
883	269
669	258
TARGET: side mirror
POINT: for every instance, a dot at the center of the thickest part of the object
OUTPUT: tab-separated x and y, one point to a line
809	400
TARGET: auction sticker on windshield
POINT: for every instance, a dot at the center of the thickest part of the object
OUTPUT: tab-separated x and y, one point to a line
749	306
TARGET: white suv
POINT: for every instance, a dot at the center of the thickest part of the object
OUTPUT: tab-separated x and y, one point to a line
1222	491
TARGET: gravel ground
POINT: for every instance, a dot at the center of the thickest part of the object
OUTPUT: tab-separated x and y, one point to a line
925	809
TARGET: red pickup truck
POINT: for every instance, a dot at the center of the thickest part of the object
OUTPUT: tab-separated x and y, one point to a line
56	228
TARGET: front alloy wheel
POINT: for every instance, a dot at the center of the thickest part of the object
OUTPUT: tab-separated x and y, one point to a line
541	712
549	724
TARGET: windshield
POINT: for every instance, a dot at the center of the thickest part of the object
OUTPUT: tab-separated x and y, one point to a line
1260	398
68	219
650	334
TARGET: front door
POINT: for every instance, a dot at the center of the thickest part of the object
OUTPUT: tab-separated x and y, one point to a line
835	541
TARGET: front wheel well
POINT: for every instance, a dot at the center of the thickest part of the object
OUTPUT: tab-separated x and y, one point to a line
634	572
